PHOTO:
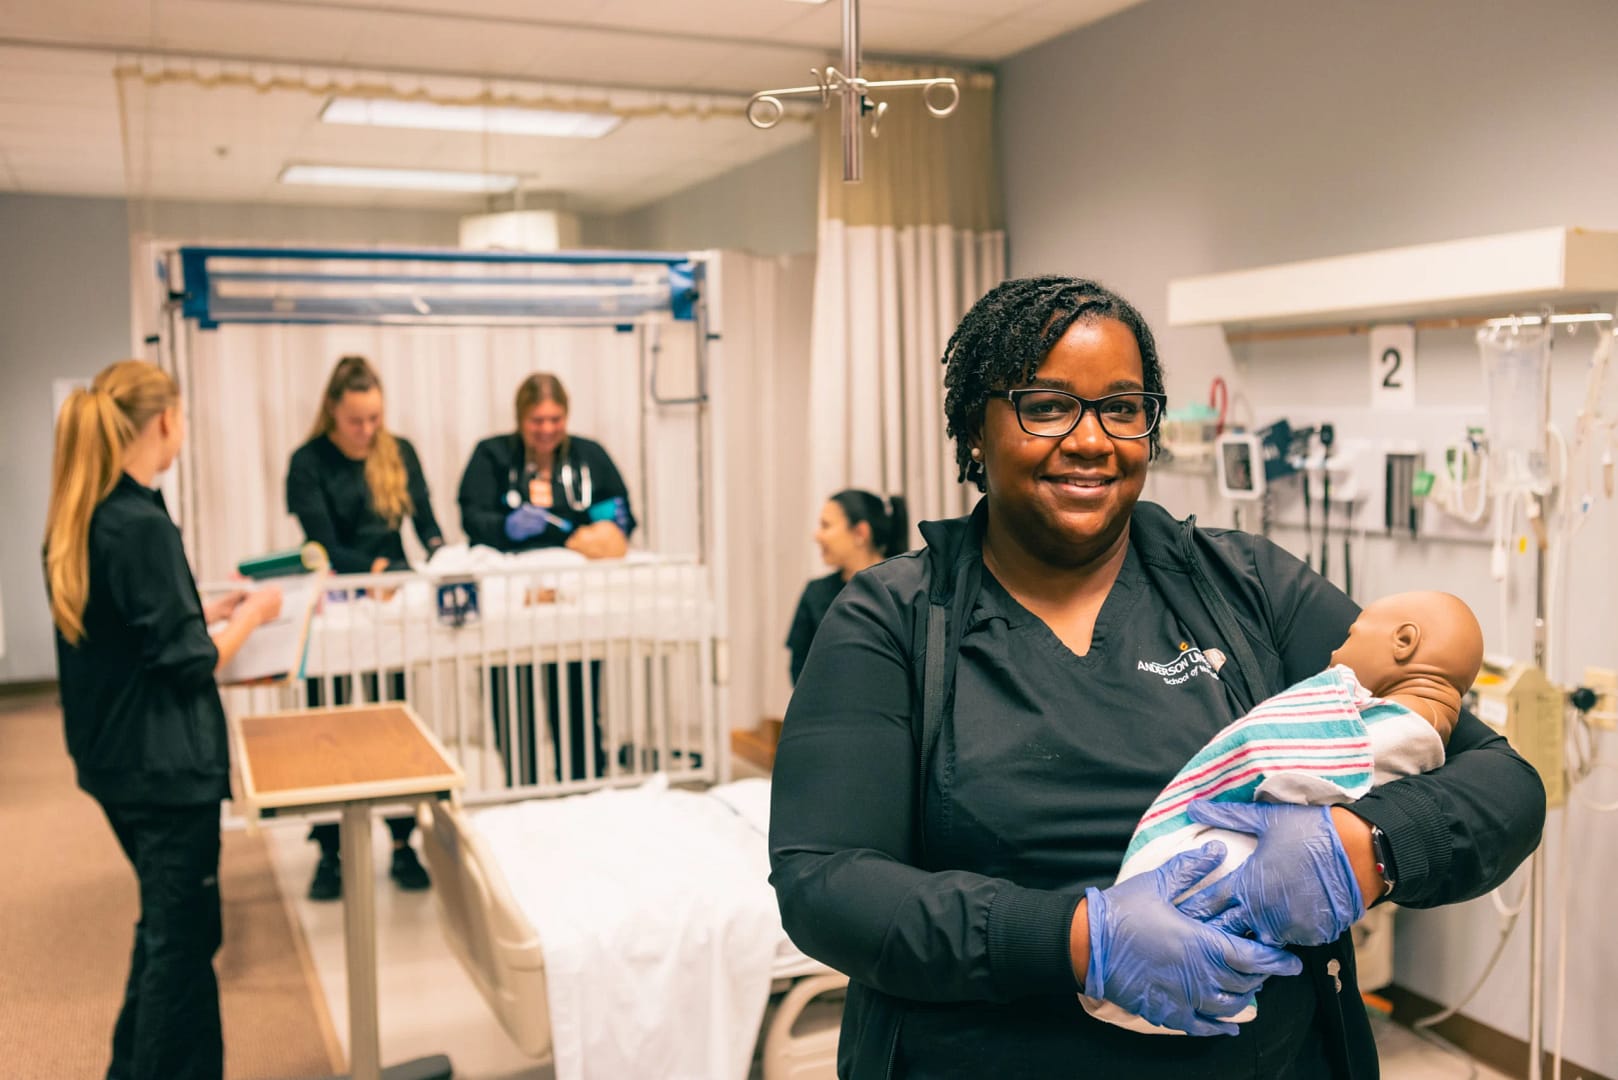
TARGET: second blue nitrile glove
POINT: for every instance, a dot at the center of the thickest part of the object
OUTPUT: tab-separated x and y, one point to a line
1165	967
1297	888
525	522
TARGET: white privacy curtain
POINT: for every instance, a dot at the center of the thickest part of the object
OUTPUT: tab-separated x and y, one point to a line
762	382
902	256
253	391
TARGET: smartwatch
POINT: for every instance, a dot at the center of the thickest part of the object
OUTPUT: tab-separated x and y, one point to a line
1382	852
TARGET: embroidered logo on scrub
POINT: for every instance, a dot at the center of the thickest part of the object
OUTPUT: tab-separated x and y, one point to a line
1190	663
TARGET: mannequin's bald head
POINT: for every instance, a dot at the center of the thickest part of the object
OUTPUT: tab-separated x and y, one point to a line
1413	634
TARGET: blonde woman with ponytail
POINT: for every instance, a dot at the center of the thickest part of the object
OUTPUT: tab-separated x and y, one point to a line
351	486
143	720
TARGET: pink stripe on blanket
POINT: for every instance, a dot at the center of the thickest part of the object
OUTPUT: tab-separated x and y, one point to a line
1314	767
1361	747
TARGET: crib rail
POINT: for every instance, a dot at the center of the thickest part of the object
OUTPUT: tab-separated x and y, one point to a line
540	680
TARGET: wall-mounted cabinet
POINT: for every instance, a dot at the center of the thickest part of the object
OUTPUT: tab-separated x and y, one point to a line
1489	275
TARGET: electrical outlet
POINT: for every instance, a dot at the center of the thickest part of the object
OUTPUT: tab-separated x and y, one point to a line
1604	681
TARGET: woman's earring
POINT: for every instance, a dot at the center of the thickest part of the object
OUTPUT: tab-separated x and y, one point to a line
977	453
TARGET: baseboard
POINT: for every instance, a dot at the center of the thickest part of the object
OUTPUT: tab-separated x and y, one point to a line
1499	1051
27	688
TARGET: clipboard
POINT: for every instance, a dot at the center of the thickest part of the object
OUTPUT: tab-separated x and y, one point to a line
278	651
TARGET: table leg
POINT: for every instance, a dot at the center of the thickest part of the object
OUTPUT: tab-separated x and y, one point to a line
359	946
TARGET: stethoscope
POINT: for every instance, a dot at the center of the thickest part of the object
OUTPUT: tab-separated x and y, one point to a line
580	497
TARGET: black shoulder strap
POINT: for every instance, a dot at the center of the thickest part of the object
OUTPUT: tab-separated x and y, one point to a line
1261	680
946	620
935	671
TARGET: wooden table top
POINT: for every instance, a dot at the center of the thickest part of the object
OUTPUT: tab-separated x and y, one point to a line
324	755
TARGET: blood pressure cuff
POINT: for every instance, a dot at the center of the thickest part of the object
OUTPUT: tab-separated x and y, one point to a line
615	510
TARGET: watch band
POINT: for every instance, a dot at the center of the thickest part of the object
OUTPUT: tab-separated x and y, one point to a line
1382	852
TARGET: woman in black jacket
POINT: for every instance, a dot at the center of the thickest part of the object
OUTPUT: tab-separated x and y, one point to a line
351	486
994	716
144	723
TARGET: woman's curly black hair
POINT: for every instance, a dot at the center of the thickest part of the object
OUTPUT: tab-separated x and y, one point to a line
1005	337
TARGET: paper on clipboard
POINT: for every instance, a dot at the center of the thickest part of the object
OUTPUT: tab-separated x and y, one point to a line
279	649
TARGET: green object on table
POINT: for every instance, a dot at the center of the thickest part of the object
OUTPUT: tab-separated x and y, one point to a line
302	560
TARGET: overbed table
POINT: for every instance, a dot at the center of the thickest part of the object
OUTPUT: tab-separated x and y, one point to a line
349	759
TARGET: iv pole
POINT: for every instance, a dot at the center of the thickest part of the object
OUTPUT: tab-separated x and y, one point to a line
764	109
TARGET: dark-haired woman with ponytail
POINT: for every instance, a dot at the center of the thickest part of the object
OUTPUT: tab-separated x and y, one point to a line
857	530
351	486
143	719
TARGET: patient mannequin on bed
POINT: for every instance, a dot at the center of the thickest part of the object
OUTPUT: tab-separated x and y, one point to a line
1383	709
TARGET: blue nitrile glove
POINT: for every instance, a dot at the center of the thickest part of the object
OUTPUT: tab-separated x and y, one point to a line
524	522
1298	888
1167	968
615	510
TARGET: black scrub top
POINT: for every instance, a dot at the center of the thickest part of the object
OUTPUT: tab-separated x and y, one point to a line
140	708
1052	766
499	470
326	491
812	607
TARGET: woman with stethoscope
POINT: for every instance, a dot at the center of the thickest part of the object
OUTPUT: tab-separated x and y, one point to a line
542	487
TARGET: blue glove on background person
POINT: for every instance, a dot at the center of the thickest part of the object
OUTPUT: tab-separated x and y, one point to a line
1297	888
1166	967
524	522
615	510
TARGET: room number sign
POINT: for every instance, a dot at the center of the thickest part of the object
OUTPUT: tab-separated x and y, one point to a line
1393	367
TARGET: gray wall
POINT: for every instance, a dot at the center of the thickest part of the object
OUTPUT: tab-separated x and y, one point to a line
1186	137
767	207
65	312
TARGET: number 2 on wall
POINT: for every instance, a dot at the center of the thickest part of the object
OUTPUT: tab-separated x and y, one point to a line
1393	367
1391	360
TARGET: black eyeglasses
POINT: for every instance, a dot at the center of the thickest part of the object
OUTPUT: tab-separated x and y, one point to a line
1052	414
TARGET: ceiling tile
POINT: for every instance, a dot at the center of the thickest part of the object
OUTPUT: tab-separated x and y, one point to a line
1076	13
1006	38
908	32
256	30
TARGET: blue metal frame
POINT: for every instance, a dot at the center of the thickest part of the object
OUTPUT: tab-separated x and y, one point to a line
198	301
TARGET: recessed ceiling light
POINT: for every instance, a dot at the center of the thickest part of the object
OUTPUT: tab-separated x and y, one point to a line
502	120
407	179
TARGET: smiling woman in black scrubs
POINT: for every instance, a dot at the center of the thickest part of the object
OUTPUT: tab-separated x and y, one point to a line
142	714
992	714
542	487
351	486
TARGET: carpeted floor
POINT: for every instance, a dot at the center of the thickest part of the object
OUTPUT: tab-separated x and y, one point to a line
69	906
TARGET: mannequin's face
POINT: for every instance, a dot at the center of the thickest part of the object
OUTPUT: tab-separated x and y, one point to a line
356	418
544	427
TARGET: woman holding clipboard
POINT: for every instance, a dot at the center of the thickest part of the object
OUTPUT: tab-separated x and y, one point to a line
143	719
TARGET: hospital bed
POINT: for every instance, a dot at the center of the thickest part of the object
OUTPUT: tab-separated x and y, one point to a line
501	873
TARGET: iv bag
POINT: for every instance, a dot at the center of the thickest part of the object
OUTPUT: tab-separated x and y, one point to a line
1516	365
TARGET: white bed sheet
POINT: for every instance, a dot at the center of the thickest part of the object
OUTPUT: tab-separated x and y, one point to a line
660	930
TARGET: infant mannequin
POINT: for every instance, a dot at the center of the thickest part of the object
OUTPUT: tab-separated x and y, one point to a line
1384	709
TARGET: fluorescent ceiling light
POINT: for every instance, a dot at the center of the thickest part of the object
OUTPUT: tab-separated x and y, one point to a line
409	179
503	120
